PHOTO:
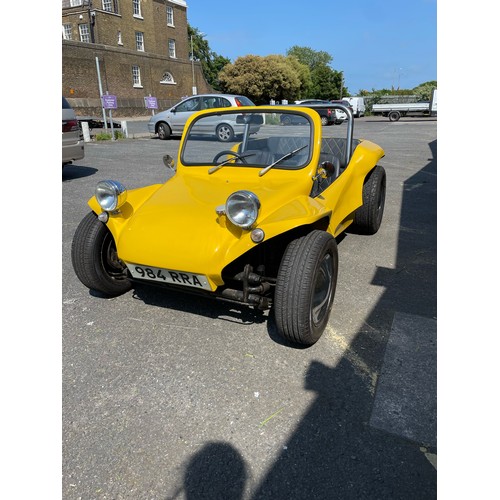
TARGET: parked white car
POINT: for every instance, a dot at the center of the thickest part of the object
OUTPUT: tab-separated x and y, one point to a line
341	116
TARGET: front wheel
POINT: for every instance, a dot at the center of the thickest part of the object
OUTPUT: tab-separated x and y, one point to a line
95	259
163	131
305	287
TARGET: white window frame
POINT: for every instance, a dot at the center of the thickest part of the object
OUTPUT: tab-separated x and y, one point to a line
170	16
84	32
107	5
136	77
137	10
171	48
167	79
67	31
75	3
139	41
119	34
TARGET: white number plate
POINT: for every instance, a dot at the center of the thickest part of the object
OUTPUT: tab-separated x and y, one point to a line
169	276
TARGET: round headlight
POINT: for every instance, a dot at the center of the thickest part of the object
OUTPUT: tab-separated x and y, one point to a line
110	195
242	208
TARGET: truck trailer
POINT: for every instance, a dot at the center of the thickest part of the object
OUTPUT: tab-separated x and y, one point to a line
395	111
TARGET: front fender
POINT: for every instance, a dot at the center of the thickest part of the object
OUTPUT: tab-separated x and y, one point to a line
118	219
301	211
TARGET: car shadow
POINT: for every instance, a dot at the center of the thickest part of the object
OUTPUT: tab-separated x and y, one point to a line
176	138
71	172
202	306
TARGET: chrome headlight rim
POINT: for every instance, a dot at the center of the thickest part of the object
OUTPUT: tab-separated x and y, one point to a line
242	208
110	195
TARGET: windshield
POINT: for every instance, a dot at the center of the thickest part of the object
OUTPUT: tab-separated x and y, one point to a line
261	139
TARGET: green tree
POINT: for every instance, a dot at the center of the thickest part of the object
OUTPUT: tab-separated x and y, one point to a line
310	57
326	83
424	90
211	62
264	78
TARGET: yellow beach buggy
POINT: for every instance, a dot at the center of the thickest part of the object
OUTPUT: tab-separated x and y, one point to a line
252	221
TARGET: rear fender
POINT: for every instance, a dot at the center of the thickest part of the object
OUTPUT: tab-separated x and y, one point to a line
345	195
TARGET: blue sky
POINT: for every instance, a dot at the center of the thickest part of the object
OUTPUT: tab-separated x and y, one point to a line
376	43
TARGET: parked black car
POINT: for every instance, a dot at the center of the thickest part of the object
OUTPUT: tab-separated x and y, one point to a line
328	116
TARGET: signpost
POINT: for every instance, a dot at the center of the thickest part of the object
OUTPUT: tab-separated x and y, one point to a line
151	103
110	102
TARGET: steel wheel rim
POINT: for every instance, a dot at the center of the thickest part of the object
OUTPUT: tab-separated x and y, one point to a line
322	290
111	264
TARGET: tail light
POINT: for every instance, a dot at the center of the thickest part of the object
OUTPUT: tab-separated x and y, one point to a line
238	102
70	126
329	112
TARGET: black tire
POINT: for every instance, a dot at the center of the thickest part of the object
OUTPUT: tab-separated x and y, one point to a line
324	121
286	120
394	116
368	217
224	132
305	287
94	258
163	131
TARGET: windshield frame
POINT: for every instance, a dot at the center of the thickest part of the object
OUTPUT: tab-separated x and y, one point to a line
246	139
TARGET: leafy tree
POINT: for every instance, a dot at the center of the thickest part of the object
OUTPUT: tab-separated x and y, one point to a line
264	78
326	83
211	62
310	57
304	74
424	90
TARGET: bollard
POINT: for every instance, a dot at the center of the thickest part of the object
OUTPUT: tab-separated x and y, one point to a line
124	129
86	132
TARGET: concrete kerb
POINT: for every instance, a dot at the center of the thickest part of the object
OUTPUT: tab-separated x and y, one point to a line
90	137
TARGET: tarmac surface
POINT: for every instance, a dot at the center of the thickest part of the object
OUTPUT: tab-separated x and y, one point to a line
167	397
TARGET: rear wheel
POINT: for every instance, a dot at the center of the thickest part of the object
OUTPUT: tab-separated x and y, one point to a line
224	132
368	217
324	120
95	259
305	287
163	131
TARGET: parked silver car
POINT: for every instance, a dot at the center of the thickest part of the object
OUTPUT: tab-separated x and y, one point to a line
72	136
171	121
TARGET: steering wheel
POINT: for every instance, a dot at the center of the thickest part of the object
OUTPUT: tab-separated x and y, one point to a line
228	152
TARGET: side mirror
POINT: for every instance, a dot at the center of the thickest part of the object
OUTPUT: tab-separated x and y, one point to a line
169	162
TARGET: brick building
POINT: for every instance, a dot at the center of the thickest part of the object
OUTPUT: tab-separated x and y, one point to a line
128	48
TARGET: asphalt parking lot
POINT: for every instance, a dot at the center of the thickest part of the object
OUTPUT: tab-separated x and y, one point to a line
173	397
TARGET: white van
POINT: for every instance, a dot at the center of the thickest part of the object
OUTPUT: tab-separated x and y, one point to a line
358	105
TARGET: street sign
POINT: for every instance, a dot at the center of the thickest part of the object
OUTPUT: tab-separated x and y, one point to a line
109	101
151	102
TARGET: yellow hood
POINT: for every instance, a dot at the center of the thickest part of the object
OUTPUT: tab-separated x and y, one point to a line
178	227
